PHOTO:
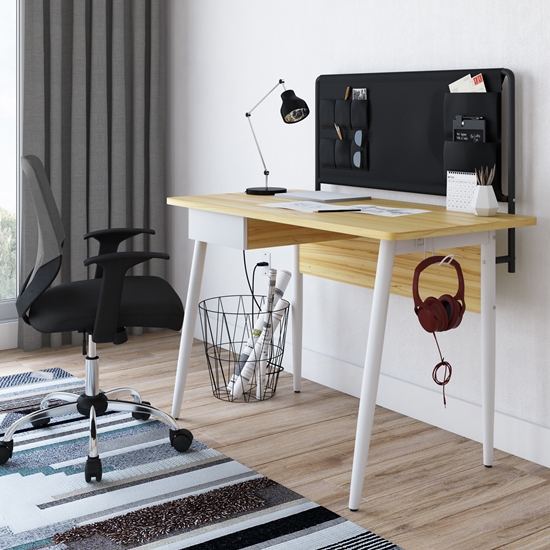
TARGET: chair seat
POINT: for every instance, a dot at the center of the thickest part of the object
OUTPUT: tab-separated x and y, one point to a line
147	301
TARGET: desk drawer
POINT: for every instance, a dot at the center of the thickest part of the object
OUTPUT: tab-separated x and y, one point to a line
248	234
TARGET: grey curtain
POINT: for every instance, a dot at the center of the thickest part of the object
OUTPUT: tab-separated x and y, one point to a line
94	89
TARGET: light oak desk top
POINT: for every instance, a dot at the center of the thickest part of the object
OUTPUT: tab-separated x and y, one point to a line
437	222
237	220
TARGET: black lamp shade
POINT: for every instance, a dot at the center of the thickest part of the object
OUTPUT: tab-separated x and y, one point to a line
293	108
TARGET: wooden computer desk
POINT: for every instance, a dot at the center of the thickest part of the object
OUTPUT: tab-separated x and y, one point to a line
237	221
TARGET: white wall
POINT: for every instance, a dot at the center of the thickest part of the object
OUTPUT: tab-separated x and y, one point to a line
225	55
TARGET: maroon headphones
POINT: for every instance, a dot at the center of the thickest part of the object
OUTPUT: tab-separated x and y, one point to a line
439	314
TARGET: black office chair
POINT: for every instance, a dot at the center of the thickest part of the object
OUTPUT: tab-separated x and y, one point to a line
100	308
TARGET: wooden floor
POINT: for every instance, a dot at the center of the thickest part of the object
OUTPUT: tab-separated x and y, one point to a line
424	488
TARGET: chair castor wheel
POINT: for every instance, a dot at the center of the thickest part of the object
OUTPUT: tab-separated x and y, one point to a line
181	439
6	450
142	416
40	423
93	469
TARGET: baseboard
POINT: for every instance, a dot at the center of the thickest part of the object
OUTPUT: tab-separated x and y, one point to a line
8	335
512	435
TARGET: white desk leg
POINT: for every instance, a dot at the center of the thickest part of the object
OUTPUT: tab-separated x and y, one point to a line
189	320
371	372
488	344
297	318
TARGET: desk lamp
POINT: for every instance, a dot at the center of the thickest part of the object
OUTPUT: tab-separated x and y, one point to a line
293	110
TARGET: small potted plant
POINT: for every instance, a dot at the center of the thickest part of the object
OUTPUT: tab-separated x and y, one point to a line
485	202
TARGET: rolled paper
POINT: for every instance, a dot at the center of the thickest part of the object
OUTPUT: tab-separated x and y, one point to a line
281	283
282	280
258	327
242	381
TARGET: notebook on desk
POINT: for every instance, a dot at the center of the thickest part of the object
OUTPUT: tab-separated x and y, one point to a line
322	196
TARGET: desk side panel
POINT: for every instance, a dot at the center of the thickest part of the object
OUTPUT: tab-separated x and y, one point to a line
354	262
220	229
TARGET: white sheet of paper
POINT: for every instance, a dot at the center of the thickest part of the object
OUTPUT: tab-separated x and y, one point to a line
311	206
388	211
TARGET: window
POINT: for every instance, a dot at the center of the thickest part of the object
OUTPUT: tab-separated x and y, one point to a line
9	137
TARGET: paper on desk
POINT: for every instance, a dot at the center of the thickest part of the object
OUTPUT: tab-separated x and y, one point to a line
310	206
387	211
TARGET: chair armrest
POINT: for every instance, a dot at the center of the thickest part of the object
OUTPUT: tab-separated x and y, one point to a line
110	238
114	265
116	234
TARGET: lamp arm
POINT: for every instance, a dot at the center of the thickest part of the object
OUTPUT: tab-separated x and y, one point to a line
266	172
248	116
281	82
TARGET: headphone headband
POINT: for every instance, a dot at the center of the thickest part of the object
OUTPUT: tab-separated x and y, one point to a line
427	263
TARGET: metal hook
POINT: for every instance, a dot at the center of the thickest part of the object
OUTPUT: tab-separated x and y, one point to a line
447	259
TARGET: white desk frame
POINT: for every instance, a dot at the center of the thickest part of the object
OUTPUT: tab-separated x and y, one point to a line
231	231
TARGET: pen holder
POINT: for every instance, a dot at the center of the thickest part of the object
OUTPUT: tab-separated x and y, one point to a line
484	202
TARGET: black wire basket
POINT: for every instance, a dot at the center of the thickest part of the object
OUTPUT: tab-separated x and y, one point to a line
244	345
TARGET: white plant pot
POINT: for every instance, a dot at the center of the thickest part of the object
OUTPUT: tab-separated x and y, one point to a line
484	202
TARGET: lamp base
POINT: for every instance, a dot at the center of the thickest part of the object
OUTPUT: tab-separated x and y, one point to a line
265	190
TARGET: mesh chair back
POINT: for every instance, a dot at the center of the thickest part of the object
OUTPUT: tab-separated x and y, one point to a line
50	235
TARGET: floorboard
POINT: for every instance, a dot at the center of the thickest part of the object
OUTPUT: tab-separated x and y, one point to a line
425	488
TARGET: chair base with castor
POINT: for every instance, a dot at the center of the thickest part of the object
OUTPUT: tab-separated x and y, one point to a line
91	404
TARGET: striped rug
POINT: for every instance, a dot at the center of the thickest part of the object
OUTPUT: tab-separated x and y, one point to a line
151	497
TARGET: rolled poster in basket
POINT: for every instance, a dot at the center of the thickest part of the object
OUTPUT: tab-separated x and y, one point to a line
281	283
258	340
283	277
261	347
256	332
245	373
275	316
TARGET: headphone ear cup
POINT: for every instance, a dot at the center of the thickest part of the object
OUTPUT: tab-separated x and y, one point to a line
454	308
432	315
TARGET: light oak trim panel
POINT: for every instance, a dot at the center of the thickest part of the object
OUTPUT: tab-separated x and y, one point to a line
264	234
354	262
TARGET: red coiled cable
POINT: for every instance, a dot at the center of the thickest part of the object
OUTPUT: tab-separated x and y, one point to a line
448	371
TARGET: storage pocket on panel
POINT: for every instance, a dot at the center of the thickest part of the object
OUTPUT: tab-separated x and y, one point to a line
359	117
326	113
359	151
326	153
342	113
342	153
485	106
